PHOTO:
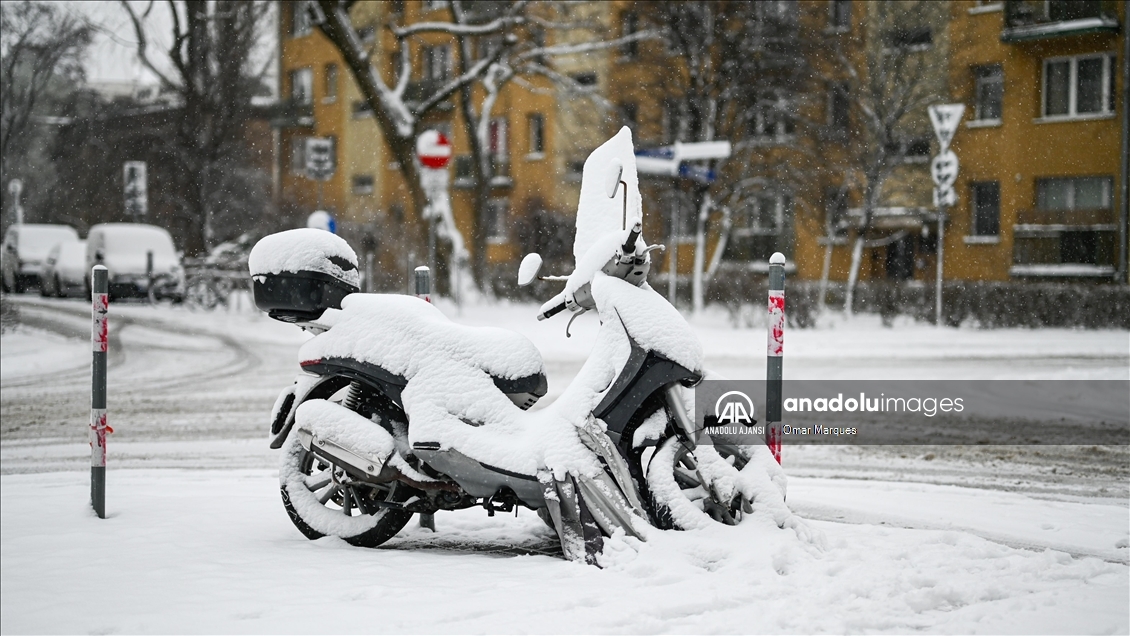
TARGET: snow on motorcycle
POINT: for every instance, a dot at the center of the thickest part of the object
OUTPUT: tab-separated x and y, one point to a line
399	411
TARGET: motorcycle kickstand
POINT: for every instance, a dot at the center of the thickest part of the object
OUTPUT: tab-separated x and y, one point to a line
428	521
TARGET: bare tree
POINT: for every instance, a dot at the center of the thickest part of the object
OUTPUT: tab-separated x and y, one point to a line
495	43
213	76
741	74
891	73
40	44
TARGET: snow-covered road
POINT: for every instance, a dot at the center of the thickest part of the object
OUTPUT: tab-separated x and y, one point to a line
986	540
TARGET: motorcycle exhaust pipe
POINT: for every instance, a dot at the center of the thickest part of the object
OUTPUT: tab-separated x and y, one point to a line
370	468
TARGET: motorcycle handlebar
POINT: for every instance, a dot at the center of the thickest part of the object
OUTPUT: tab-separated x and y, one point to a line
630	244
552	311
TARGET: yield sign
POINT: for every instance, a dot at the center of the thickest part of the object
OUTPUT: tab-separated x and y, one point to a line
944	170
945	118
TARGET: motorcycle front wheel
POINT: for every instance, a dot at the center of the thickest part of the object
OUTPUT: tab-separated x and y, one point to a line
323	499
677	482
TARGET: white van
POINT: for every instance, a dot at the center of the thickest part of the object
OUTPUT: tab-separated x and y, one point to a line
26	246
124	249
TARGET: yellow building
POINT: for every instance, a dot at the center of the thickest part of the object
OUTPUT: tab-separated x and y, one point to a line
1040	143
1038	146
366	192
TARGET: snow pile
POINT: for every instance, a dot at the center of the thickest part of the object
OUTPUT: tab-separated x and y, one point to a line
597	213
305	250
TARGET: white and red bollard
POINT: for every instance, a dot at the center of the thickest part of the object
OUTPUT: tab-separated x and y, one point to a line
424	292
775	354
100	340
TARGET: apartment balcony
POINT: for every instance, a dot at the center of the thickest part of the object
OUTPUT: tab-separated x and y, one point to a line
1035	223
289	114
421	90
1028	20
1064	244
499	174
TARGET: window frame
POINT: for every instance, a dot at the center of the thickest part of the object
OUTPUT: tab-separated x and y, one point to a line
834	26
535	135
629	25
1106	82
307	83
1108	192
498	230
362	189
835	91
330	80
981	78
300	28
974	210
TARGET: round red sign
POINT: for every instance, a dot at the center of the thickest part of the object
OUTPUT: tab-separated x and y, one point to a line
433	149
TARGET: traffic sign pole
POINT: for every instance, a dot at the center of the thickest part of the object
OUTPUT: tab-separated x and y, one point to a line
945	119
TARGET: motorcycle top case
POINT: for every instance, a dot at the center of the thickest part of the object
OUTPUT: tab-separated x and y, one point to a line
298	274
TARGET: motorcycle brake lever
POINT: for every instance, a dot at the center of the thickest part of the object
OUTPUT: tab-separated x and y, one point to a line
570	325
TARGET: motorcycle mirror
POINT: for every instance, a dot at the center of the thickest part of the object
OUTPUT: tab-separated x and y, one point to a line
615	171
529	269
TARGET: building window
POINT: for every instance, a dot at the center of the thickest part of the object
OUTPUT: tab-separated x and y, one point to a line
499	146
298	155
586	79
986	204
989	92
497	140
437	62
911	38
839	107
434	5
781	11
912	150
629	25
498	218
1076	193
361	109
839	15
763	214
331	83
630	112
1078	86
363	184
536	124
302	85
774	121
300	20
835	211
464	171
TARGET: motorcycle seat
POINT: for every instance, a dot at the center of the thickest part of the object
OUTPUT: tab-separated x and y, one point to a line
403	335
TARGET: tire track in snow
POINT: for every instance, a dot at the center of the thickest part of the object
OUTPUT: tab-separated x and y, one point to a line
242	359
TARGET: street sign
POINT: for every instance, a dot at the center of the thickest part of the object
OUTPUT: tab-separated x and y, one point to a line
945	118
433	149
947	197
319	158
136	188
322	220
943	169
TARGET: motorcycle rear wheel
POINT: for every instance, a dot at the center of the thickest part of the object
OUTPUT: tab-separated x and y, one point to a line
323	499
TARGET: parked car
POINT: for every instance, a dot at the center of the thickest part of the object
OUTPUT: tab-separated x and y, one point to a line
25	248
124	248
64	270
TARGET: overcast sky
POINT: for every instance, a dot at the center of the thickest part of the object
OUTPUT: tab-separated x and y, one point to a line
112	56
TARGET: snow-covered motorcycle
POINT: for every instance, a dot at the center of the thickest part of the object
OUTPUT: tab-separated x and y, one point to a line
399	411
